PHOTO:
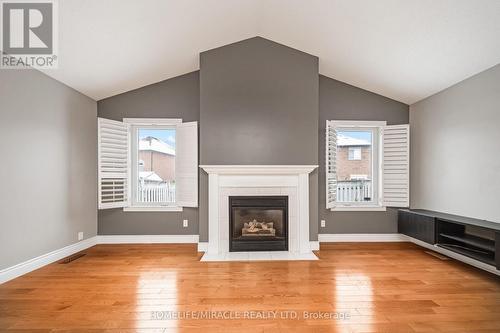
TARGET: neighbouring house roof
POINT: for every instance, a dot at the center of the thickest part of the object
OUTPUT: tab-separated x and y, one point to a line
153	144
150	176
343	140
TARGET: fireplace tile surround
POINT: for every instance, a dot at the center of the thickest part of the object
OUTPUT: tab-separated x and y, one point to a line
258	180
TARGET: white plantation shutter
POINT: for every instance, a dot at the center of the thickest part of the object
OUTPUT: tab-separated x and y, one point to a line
331	169
396	174
113	140
186	165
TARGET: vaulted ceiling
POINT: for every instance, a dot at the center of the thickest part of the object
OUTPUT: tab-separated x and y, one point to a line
402	49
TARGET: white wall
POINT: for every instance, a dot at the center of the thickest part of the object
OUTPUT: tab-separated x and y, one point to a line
48	163
455	149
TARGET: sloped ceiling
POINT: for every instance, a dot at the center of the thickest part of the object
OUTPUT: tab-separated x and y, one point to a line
403	49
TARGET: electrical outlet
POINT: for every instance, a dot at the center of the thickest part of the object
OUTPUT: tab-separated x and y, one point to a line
323	223
80	235
185	223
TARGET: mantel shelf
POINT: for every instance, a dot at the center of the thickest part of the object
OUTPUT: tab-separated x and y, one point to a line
258	169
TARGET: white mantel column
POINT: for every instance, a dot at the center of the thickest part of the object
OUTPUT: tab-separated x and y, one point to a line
213	214
303	225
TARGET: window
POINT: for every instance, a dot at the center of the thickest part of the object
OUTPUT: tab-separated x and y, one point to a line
148	164
352	144
153	165
367	165
354	153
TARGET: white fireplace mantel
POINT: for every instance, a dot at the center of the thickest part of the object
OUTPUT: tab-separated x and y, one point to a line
258	169
287	180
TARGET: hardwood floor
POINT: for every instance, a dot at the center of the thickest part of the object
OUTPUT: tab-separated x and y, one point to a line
377	287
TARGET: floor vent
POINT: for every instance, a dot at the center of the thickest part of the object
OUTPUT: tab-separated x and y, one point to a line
437	255
72	258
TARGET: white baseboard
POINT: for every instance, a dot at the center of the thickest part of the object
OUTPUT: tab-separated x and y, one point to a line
335	238
12	272
459	257
314	245
48	258
146	239
202	246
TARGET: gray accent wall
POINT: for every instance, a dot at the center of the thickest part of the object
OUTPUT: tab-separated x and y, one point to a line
48	142
258	102
259	105
455	146
341	101
174	98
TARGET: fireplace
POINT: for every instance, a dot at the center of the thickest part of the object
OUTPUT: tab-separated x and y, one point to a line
258	223
291	182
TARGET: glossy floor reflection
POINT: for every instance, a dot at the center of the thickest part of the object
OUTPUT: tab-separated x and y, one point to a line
391	287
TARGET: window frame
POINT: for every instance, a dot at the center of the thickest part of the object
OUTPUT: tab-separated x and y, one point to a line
353	150
377	164
135	124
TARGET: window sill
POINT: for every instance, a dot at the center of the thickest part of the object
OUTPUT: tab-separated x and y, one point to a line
358	209
152	209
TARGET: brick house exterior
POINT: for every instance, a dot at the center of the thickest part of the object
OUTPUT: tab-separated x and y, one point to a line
162	164
358	166
347	168
157	156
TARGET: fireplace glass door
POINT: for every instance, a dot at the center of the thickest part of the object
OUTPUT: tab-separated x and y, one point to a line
258	223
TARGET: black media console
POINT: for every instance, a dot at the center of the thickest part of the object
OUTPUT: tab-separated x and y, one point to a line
473	238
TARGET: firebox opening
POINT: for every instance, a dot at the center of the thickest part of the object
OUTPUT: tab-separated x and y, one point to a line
258	223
